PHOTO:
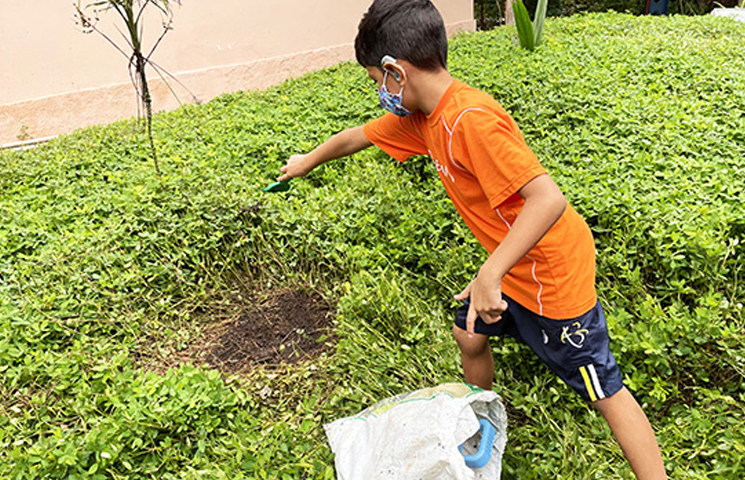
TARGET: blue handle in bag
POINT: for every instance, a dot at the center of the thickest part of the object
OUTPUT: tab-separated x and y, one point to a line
482	457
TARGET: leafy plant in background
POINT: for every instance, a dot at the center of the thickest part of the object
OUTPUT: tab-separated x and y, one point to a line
530	33
490	13
131	13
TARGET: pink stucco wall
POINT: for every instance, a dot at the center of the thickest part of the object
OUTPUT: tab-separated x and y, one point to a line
55	79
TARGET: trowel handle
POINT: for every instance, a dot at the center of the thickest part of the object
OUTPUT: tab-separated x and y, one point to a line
482	457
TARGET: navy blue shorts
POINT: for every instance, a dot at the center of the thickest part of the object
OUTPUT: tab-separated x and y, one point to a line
577	350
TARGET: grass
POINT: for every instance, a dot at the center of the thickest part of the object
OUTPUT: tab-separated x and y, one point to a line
104	269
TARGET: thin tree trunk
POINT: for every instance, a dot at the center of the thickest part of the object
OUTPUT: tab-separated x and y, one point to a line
147	100
509	15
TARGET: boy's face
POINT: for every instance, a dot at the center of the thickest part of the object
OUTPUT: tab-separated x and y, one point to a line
391	97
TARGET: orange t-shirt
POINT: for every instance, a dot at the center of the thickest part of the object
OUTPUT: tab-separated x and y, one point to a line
483	161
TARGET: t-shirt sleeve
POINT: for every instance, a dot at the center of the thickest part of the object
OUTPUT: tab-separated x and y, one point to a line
495	152
398	137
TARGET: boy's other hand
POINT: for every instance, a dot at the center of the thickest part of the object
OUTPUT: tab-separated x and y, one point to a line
297	166
486	302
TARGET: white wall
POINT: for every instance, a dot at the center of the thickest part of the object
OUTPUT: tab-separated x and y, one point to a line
55	79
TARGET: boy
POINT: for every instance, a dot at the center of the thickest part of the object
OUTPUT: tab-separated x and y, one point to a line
537	285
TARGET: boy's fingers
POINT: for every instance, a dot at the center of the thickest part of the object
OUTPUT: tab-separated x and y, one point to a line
490	318
471	320
494	315
285	175
464	294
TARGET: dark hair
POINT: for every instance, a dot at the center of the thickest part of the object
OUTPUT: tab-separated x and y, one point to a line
410	30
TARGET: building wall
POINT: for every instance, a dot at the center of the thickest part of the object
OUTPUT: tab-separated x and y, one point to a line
55	79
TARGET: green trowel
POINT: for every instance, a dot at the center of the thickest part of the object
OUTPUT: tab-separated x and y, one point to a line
282	186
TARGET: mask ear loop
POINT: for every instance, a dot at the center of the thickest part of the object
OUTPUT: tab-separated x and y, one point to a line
385	77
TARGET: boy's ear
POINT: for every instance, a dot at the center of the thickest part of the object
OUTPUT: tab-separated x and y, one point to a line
390	65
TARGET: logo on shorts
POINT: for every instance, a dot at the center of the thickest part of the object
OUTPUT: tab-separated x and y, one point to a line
575	338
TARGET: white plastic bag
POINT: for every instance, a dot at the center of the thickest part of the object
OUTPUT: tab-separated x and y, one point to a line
415	436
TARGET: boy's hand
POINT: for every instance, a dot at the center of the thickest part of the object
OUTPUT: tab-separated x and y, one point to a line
297	166
544	205
486	302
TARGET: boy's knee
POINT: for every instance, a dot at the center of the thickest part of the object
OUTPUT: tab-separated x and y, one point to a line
470	344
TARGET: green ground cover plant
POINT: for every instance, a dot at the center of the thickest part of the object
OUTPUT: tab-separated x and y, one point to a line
106	270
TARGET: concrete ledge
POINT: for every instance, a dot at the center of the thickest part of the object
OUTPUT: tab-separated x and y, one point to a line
25	144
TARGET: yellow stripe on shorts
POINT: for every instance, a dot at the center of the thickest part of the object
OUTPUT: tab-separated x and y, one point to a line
588	384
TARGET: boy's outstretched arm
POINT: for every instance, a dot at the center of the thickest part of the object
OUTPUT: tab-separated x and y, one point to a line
544	205
340	145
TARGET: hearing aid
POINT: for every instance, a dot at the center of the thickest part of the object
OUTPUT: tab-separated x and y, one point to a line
388	59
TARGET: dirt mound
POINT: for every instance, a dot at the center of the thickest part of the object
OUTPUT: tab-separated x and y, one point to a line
285	328
246	329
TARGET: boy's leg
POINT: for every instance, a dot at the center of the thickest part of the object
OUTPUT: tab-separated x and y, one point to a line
476	356
577	350
633	432
475	351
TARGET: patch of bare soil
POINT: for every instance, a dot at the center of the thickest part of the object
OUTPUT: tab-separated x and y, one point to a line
260	328
285	328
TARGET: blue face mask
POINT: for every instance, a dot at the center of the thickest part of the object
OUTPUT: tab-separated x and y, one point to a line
393	102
